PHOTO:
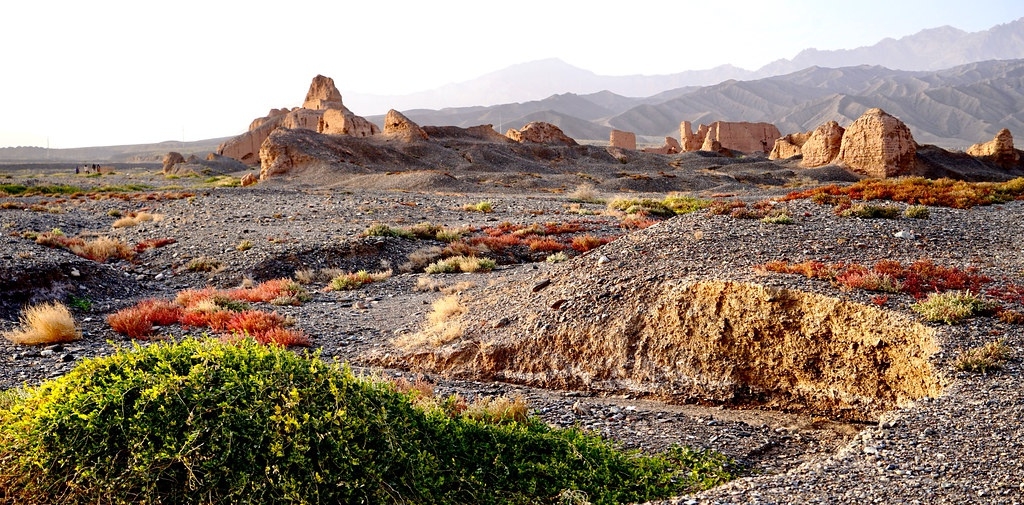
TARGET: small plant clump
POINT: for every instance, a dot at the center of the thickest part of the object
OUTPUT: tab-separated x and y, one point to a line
205	422
987	358
467	264
917	279
205	264
99	249
916	212
952	307
868	211
485	207
45	323
153	243
383	230
557	257
224	311
355	280
918	191
136	218
244	245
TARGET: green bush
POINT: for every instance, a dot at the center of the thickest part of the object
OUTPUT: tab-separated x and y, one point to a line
952	307
383	230
205	422
866	211
916	212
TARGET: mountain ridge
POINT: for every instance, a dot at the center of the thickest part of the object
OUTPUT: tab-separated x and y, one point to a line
927	50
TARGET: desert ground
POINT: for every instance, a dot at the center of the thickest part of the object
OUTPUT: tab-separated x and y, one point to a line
843	395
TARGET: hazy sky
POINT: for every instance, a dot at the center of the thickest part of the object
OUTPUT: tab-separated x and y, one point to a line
106	72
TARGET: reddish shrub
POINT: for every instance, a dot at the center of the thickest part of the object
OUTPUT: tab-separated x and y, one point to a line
160	312
191	297
132	322
153	243
254	322
284	337
586	242
545	245
496	243
216	320
562	228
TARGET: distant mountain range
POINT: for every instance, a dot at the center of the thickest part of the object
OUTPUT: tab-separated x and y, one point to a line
952	108
931	49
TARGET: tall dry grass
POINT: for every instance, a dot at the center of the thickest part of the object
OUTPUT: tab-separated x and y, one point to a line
46	323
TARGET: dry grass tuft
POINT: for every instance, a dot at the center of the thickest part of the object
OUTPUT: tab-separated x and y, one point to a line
499	410
136	218
46	323
989	357
355	280
441	327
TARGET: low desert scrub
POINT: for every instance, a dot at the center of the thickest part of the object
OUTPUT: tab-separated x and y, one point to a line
584	243
498	410
557	257
214	417
383	230
916	212
989	357
355	280
868	211
99	249
219	310
467	264
586	193
45	323
205	264
429	284
485	207
538	244
441	326
420	258
919	191
1010	316
637	205
671	205
137	218
952	307
153	243
917	279
244	245
779	216
637	221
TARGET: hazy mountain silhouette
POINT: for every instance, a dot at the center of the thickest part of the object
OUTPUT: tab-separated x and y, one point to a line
930	49
952	108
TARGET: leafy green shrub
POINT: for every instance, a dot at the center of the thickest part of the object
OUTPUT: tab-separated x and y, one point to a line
383	230
681	204
466	264
781	217
484	207
916	212
203	422
867	211
952	306
356	280
984	359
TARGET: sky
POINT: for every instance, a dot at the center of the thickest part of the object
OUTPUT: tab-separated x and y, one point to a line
105	72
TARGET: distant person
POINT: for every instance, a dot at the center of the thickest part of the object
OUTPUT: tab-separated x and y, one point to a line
76	169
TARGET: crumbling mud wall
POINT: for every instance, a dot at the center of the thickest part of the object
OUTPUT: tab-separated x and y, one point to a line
718	342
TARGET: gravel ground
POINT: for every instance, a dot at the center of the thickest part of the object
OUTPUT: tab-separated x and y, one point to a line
962	446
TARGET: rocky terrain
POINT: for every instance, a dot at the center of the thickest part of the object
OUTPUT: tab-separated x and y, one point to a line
885	441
